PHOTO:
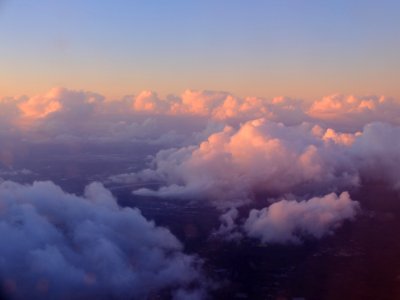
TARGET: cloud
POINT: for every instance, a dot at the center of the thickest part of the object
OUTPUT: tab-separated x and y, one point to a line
58	245
376	152
222	106
39	107
66	115
232	166
290	221
235	166
149	101
340	112
264	160
352	113
217	147
60	100
228	228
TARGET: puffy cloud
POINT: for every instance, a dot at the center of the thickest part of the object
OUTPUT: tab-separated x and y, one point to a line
226	149
202	102
222	106
266	160
237	158
352	113
376	152
70	115
288	221
39	107
149	101
280	109
76	103
58	245
341	112
232	166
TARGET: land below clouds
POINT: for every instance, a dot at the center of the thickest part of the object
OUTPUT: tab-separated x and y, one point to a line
359	261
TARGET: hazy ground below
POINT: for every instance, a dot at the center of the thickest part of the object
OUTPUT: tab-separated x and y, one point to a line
360	261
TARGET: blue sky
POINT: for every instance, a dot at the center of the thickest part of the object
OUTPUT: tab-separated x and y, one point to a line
266	48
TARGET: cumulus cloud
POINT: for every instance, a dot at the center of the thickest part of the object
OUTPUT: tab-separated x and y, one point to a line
233	166
341	112
149	101
223	106
290	221
55	245
69	102
67	114
376	152
71	115
217	147
265	160
39	107
352	113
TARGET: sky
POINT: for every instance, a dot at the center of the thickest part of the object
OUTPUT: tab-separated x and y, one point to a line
278	170
297	48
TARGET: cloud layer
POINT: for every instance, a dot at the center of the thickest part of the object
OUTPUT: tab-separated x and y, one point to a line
55	245
70	115
226	150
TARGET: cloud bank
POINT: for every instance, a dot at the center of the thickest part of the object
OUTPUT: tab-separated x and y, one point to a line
70	115
226	150
55	245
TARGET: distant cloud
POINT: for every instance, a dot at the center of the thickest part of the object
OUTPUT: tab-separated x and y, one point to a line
352	113
41	106
69	113
223	106
290	221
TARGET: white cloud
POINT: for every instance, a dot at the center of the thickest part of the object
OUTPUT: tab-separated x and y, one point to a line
376	152
290	221
352	113
70	115
58	245
232	166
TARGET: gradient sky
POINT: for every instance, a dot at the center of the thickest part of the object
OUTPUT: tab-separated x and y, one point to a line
266	48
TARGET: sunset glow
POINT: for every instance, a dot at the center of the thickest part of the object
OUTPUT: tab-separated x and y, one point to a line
190	150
